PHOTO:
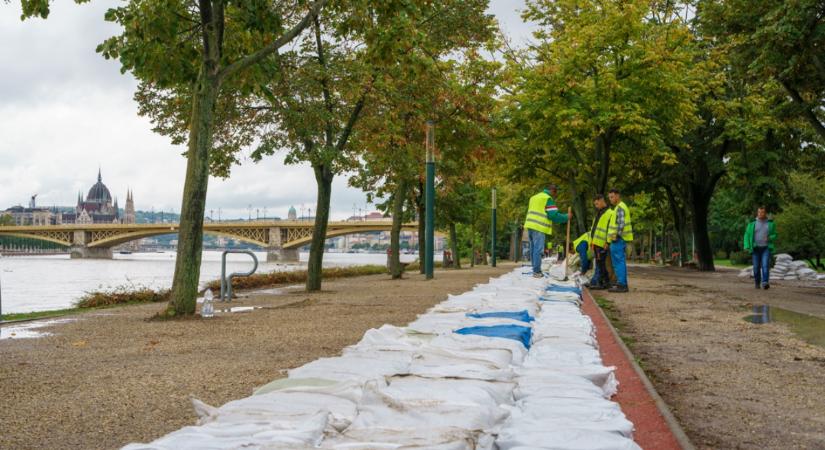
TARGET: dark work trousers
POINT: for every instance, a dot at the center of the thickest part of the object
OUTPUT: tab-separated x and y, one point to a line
600	276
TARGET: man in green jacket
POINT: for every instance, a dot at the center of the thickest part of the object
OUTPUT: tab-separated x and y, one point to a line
759	238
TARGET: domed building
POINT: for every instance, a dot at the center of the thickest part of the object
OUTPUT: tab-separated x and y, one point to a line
98	207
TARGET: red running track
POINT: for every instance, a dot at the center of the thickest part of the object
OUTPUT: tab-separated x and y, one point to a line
651	429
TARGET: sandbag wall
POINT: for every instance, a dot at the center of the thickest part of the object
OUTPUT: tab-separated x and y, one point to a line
512	364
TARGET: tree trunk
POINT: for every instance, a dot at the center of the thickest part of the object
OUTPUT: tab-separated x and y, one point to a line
323	178
472	248
700	205
395	235
454	246
579	206
603	142
484	250
190	235
679	222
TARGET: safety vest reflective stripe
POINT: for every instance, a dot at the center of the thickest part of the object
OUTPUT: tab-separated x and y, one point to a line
600	235
627	231
536	216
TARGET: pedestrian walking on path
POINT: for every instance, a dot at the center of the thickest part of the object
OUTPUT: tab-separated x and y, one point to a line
542	212
760	235
619	234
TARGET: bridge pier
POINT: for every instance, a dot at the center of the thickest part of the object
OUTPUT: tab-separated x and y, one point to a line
81	250
282	255
275	252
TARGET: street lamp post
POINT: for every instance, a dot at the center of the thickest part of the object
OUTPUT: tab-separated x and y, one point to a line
493	232
429	226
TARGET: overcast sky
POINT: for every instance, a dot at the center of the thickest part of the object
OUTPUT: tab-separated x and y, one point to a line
67	111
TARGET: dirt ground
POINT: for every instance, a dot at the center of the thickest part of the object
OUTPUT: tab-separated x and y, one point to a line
111	377
730	383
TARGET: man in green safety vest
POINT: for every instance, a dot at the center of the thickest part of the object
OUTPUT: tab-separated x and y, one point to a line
542	212
598	242
619	234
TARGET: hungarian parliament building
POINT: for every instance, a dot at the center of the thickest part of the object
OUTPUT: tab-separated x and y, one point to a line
97	207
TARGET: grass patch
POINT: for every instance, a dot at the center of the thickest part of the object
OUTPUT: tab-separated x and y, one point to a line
40	314
728	263
263	280
614	316
122	296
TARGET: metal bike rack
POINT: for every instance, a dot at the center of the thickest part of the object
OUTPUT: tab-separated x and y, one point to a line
226	282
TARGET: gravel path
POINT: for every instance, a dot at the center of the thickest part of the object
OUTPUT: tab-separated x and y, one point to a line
111	377
732	384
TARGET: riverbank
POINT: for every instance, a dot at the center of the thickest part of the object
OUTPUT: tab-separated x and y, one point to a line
111	377
730	383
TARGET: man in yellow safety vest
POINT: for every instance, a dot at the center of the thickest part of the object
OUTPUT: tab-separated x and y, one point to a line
619	234
582	247
598	242
542	212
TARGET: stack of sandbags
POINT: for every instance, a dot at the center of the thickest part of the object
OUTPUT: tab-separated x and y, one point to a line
782	270
786	268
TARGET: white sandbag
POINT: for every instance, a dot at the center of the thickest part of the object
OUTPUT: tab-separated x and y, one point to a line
379	410
473	344
564	385
472	392
783	257
820	277
445	323
796	265
351	367
571	439
434	438
551	412
229	435
601	376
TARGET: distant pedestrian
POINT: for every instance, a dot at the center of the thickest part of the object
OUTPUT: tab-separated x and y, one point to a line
619	235
599	244
759	238
542	212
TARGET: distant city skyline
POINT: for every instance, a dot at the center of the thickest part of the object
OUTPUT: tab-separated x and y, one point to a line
67	111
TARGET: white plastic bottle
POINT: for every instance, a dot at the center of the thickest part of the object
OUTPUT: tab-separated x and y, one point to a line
208	308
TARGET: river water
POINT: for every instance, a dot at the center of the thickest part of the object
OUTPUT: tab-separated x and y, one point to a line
41	283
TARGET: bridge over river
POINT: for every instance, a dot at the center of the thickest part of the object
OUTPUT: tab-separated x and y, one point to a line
281	239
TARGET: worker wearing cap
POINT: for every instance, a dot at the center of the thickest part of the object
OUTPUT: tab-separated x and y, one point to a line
598	242
619	235
542	212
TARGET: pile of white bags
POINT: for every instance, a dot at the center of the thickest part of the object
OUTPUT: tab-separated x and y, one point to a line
427	386
786	268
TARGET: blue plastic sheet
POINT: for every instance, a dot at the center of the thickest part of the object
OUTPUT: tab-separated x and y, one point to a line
556	288
521	316
515	332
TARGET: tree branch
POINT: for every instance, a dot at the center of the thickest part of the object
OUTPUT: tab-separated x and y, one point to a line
286	38
319	44
808	113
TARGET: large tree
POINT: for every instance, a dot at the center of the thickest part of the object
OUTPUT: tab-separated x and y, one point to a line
197	49
776	40
606	91
334	75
